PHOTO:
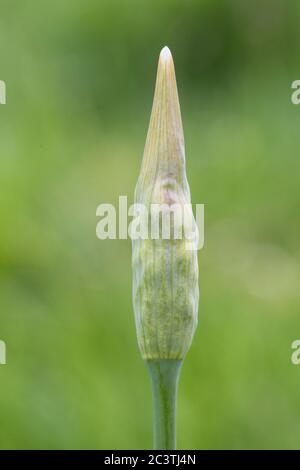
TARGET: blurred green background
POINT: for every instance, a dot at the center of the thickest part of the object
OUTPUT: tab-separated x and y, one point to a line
80	78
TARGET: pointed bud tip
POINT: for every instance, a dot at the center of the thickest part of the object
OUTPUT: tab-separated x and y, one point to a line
165	54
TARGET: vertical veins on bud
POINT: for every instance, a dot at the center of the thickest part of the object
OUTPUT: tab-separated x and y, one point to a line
164	158
165	273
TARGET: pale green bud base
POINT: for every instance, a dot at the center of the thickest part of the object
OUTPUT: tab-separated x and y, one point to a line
164	375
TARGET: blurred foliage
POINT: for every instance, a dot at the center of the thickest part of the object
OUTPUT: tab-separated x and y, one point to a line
80	78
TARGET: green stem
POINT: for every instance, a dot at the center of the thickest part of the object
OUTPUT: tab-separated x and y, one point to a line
164	377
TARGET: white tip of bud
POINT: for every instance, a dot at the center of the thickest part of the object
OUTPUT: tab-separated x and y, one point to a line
165	54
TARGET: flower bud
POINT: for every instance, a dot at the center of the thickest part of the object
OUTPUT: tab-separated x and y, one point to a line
165	270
